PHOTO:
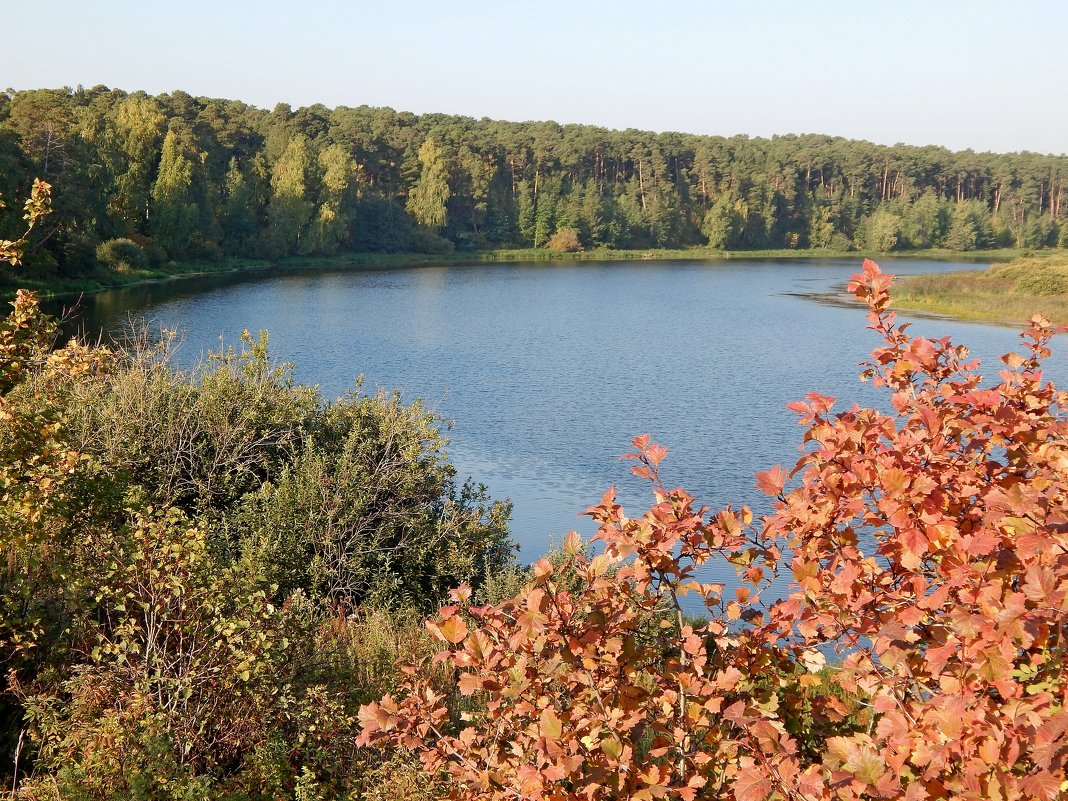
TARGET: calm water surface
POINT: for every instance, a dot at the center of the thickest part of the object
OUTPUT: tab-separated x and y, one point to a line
549	371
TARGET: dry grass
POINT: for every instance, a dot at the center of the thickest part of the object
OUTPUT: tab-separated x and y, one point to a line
1011	292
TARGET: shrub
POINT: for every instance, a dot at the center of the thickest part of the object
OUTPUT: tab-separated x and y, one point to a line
122	255
929	552
1033	276
152	648
566	240
424	241
840	241
368	511
1043	283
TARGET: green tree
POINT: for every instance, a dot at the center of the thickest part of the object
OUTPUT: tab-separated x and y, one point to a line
821	226
333	222
427	201
723	222
881	230
925	221
175	212
526	206
238	215
290	211
970	226
139	128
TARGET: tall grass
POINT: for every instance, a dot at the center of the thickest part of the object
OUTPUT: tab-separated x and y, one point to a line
1012	292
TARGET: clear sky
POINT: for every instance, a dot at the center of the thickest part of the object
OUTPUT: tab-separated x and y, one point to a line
961	73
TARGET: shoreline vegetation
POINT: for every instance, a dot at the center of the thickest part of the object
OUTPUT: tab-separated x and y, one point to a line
222	585
1011	292
105	278
144	187
213	572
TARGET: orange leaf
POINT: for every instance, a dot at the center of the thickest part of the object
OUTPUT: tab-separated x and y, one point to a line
542	569
550	726
751	786
453	630
470	684
771	482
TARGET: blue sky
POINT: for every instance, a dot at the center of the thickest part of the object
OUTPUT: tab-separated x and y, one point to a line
979	74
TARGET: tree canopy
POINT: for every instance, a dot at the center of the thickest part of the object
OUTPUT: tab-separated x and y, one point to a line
196	178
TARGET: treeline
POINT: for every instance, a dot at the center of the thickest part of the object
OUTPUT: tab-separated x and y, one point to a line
198	178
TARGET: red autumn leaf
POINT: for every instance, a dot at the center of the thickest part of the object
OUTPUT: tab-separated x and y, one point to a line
751	786
452	630
866	765
1044	784
771	482
895	481
469	683
543	568
1040	585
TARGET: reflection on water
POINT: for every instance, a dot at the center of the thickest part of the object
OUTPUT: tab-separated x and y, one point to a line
550	370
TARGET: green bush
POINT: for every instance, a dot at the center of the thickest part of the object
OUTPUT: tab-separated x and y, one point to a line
368	510
1043	283
210	568
1033	276
424	241
122	255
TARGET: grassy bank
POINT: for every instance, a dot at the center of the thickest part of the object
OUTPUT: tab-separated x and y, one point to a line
12	279
936	254
1011	292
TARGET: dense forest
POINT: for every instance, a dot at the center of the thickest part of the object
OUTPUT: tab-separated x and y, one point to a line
173	177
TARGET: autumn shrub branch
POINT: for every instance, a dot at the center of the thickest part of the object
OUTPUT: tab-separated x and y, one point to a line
929	553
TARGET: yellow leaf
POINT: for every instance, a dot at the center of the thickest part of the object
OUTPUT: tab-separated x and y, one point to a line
572	543
612	747
550	725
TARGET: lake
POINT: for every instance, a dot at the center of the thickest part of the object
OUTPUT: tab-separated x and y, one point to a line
549	370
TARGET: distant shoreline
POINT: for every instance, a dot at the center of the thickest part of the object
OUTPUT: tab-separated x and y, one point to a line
9	282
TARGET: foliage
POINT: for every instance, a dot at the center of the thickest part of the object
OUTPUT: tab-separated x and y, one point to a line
1034	276
724	222
184	550
290	209
122	254
37	206
929	553
427	199
422	240
565	240
186	668
1011	291
881	230
190	178
367	510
